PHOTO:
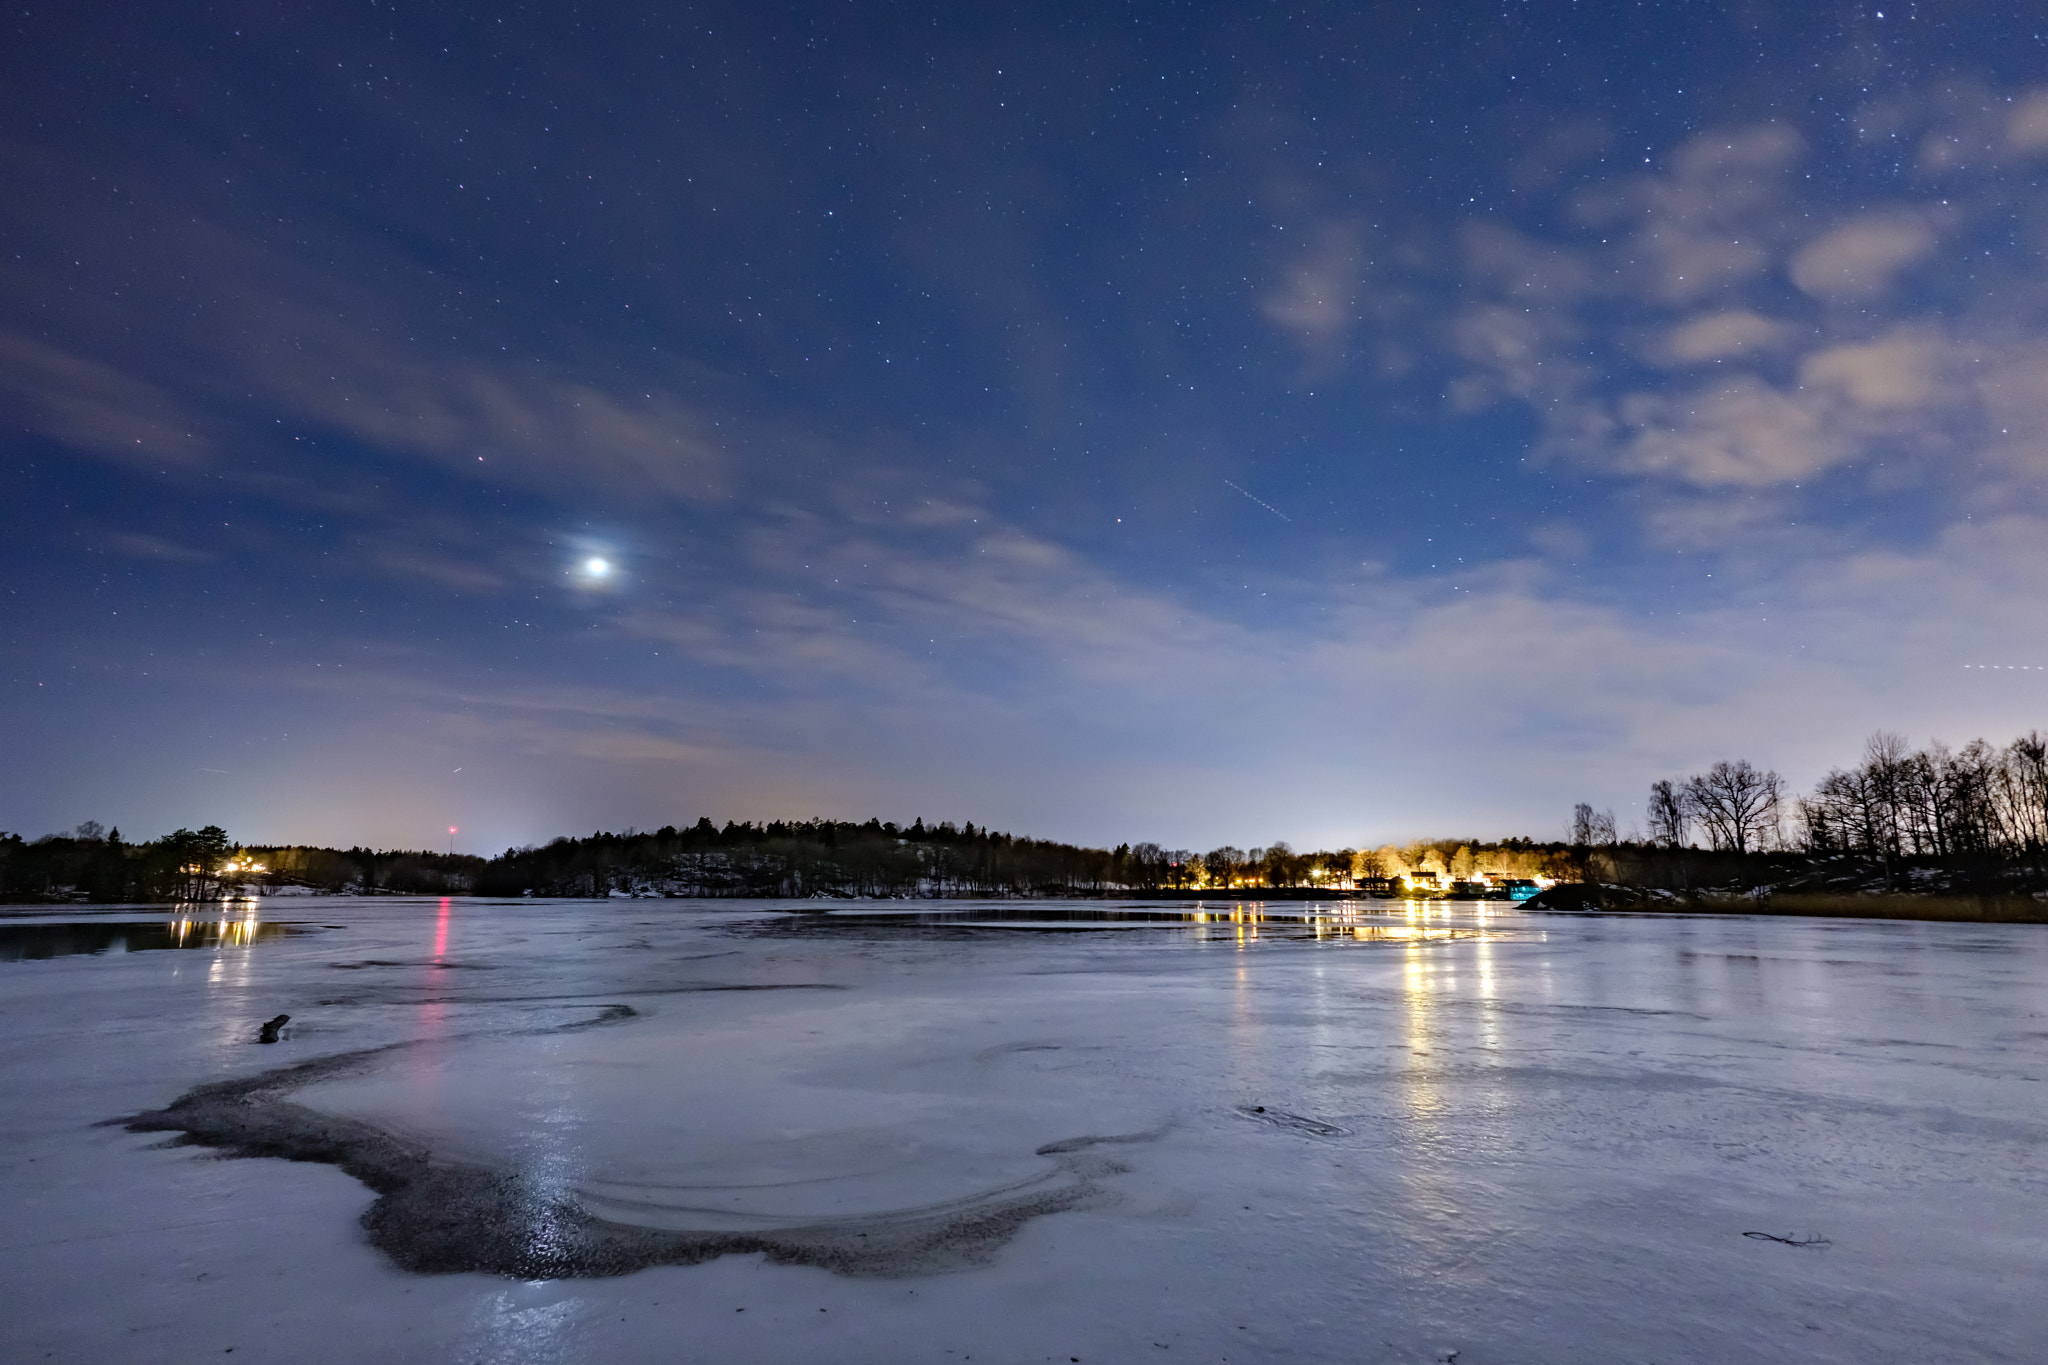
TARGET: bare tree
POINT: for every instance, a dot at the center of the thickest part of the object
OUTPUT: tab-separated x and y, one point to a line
2019	794
1886	764
1739	806
1590	827
1935	803
1669	814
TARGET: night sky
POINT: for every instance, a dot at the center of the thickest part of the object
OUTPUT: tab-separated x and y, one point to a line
1108	422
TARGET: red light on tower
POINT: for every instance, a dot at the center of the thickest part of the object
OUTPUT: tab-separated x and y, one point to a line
451	841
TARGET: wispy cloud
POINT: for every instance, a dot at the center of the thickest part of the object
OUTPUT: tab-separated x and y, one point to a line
348	353
141	545
1726	335
1673	351
1859	260
96	407
1710	224
1315	302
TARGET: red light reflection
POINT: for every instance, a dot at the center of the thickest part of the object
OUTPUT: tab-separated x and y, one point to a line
434	1012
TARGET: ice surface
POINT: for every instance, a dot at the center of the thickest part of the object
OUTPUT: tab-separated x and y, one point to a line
1310	1136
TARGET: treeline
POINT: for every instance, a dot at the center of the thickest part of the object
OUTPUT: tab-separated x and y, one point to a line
1464	859
96	864
1900	804
1278	865
408	872
877	858
1899	819
812	858
777	858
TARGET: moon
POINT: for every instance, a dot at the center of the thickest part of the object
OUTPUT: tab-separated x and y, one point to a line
597	567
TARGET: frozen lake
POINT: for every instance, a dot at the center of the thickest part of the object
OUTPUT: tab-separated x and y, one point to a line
633	1131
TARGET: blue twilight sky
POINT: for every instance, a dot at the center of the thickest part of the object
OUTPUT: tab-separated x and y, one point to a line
1144	421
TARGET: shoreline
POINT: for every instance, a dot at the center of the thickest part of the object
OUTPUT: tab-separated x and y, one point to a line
1564	898
1934	907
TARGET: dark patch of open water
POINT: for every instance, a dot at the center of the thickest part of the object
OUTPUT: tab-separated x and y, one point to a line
31	942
